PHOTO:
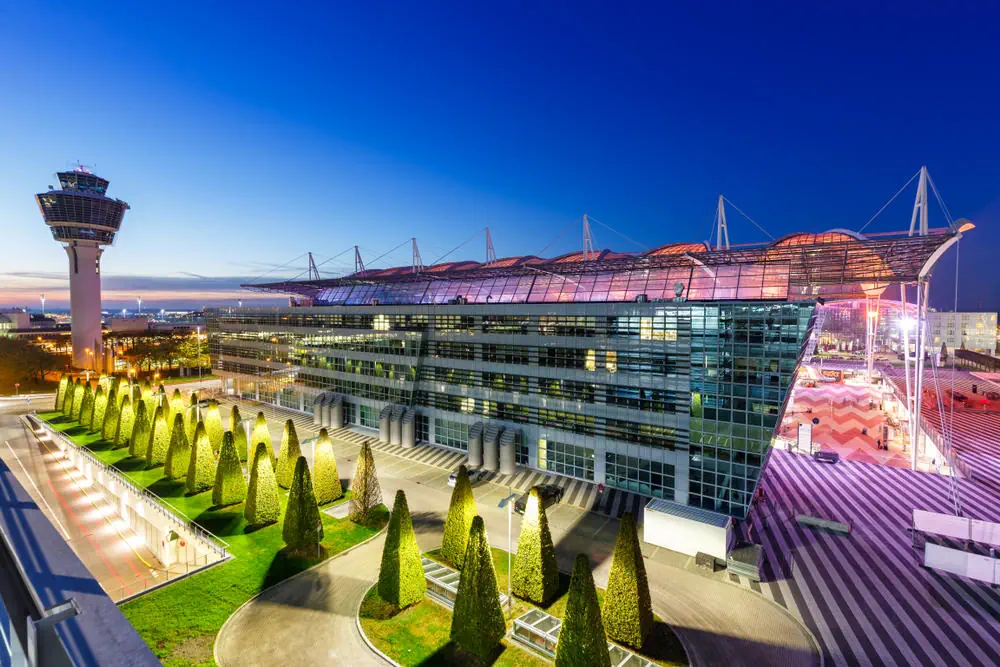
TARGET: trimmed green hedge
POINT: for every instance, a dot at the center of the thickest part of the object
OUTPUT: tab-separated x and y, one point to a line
628	609
78	393
110	422
126	424
100	409
326	478
239	433
230	486
159	439
61	392
582	642
213	425
302	528
191	418
87	407
461	512
288	455
67	406
401	576
176	406
261	434
179	452
263	504
365	492
477	623
536	574
201	470
140	432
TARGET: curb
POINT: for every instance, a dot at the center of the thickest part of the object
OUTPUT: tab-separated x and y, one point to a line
364	637
215	655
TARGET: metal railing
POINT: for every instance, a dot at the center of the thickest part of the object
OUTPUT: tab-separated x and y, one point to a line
164	508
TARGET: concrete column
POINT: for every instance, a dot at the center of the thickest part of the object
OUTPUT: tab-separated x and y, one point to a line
396	426
491	448
475	445
508	447
337	413
408	437
85	302
385	417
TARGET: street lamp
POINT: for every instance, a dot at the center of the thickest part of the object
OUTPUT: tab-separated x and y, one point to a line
508	501
90	362
198	335
249	429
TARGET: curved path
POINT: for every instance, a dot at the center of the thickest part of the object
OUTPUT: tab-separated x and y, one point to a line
310	619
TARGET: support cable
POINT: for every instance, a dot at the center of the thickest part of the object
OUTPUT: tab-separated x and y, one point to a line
387	252
321	264
610	228
561	234
438	260
886	205
269	271
737	209
940	200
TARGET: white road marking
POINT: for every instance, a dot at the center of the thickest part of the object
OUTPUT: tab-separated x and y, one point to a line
38	491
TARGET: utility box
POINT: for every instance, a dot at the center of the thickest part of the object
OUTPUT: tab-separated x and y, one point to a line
687	530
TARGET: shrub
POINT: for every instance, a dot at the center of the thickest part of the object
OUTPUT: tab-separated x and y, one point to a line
401	576
628	610
87	407
262	434
201	469
239	433
126	424
179	451
110	422
365	492
176	405
582	641
213	425
191	418
230	486
78	393
302	528
100	408
67	406
61	392
159	438
263	505
150	398
140	432
288	455
477	624
326	478
536	574
461	512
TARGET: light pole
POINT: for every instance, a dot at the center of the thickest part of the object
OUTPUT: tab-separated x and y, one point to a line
43	304
139	301
198	336
508	501
250	449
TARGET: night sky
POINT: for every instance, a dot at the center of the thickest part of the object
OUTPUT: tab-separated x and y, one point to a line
246	134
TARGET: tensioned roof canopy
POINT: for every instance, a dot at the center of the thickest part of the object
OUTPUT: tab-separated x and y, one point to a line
803	266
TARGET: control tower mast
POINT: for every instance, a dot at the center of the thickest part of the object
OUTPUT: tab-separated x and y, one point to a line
81	216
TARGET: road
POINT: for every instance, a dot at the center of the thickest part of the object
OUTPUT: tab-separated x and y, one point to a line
84	517
719	623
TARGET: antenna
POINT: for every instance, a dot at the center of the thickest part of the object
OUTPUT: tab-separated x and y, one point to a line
920	205
722	230
418	264
359	265
491	254
313	271
588	241
43	304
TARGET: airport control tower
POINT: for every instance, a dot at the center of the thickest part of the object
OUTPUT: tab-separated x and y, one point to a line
82	217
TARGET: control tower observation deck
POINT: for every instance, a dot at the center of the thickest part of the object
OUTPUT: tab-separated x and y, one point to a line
81	216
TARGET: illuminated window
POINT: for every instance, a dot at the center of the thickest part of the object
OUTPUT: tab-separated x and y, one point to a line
612	361
380	323
591	362
468	405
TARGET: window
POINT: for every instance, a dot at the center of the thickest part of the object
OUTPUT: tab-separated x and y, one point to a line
651	478
565	459
369	416
451	434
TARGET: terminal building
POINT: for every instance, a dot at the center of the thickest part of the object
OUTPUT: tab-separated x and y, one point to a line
663	373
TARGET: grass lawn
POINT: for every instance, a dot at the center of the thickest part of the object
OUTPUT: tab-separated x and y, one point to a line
419	635
180	621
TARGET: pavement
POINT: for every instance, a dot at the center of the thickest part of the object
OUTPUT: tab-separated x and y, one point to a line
718	622
83	516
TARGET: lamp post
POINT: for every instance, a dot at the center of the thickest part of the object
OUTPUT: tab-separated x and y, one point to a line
198	336
246	427
508	501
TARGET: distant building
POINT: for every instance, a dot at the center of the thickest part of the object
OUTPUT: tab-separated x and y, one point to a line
974	331
11	320
128	324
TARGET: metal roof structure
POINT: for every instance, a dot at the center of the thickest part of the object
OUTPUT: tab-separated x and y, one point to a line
833	265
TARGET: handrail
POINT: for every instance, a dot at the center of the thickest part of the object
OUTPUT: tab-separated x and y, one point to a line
216	543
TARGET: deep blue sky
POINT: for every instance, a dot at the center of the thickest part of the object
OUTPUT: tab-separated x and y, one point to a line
245	135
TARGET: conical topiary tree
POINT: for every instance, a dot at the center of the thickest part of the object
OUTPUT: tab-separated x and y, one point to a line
100	408
628	609
67	406
536	574
302	528
477	624
126	424
201	469
87	407
263	504
239	433
326	478
230	485
150	398
140	432
78	395
159	438
582	641
461	511
401	577
179	451
365	492
262	434
213	425
191	418
288	455
110	422
176	404
61	393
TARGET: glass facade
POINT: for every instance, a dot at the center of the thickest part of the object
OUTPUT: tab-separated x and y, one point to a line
672	399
